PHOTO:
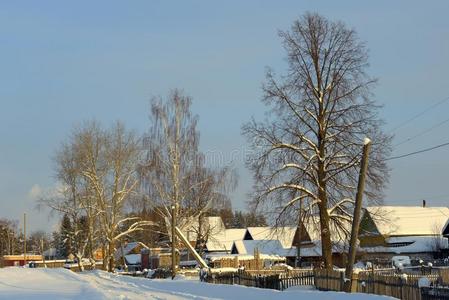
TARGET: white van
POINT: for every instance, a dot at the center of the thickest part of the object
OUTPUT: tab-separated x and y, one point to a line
401	261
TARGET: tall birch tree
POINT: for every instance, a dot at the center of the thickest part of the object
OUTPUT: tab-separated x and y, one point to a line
174	172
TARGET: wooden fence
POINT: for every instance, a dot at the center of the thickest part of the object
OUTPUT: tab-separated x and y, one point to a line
393	285
275	281
429	293
297	278
398	286
265	272
329	280
444	276
242	278
61	264
250	264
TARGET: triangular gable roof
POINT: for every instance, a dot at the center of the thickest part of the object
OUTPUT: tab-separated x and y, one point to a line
223	241
129	248
285	234
268	247
408	220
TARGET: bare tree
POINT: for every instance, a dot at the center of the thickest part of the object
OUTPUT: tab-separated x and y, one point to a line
209	192
39	241
437	241
309	148
68	199
108	164
174	172
8	237
97	169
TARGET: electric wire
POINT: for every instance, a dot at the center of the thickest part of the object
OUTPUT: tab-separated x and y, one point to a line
420	114
422	132
418	152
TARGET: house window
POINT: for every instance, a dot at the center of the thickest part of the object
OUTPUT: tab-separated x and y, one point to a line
401	244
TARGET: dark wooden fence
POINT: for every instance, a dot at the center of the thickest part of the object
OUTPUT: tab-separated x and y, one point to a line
329	280
398	286
393	285
431	293
297	278
276	281
242	278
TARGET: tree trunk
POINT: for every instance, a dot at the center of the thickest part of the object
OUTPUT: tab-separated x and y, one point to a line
326	243
79	258
90	237
110	259
104	254
200	237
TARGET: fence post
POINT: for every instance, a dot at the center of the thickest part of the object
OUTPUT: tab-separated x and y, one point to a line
354	282
342	281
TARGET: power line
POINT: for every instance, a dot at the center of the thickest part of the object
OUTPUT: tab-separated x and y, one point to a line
422	132
419	151
419	114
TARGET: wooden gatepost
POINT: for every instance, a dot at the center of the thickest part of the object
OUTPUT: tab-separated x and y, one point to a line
354	282
257	259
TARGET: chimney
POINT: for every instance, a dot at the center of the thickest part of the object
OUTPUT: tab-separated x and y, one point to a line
424	203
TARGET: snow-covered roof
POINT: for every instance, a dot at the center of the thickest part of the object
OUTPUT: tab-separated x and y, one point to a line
131	246
310	251
339	233
408	220
314	249
284	234
223	240
269	247
215	257
128	249
133	259
235	234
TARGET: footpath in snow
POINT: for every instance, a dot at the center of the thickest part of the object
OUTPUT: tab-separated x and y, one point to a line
24	283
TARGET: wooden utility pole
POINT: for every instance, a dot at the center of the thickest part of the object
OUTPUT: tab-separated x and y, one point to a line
356	217
299	229
173	241
43	252
24	239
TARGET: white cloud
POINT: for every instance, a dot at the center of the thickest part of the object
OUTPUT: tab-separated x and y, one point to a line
35	192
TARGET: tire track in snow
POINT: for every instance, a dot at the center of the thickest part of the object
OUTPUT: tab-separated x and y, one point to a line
140	287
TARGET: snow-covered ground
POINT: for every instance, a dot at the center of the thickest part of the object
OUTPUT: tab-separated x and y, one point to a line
24	283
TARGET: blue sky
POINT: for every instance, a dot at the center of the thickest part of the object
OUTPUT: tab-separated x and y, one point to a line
62	63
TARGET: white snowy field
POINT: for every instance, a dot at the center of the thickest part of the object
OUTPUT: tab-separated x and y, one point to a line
24	283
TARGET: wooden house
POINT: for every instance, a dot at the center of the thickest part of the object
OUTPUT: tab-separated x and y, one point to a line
130	254
18	260
416	231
